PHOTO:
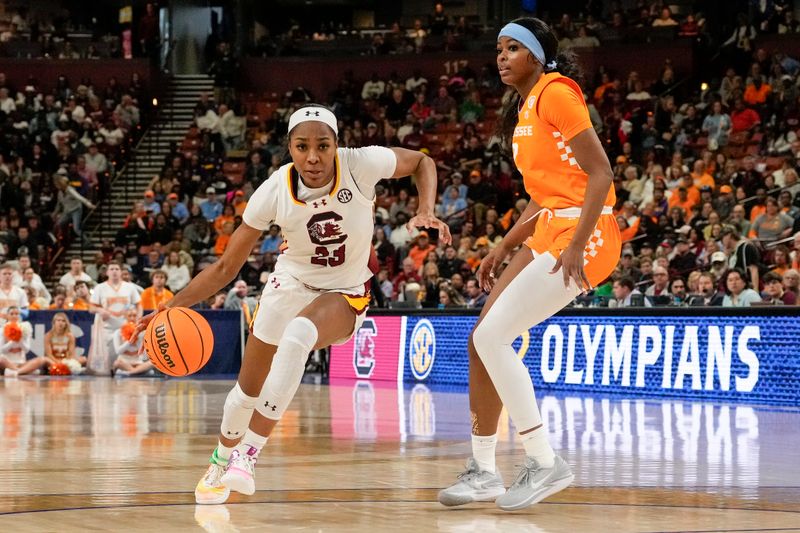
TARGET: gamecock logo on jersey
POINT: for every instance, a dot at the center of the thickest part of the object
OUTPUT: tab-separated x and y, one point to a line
324	229
364	349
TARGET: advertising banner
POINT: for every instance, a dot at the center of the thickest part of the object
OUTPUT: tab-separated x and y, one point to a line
373	353
753	359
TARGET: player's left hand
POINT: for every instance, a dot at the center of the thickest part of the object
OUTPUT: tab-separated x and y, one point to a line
429	220
571	264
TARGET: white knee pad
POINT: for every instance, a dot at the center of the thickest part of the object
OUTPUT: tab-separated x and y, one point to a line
288	366
237	412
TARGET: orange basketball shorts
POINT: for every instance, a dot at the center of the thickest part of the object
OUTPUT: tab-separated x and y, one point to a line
601	255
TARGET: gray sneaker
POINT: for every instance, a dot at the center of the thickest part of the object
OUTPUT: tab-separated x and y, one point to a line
473	485
534	483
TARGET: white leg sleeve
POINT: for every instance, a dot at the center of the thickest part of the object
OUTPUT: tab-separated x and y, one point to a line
532	297
288	366
237	413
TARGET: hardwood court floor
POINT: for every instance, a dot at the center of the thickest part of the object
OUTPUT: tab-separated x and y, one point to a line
106	455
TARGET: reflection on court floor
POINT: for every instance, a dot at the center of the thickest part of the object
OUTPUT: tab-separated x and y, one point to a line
93	446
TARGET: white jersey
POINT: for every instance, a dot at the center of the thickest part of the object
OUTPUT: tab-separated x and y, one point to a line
15	297
68	280
117	300
327	231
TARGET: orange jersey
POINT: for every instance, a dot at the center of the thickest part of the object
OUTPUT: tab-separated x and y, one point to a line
553	178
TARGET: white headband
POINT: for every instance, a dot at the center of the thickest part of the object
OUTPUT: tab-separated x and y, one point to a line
315	114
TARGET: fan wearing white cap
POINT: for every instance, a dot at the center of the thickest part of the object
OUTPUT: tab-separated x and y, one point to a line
317	296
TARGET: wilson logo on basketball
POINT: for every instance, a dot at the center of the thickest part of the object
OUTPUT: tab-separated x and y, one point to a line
163	345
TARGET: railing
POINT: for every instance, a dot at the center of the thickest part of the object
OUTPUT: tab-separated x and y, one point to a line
107	202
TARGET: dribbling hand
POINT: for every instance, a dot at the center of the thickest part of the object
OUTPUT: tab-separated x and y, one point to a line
427	220
487	272
143	322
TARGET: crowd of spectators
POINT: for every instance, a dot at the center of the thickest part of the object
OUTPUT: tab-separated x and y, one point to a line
58	33
438	31
61	146
706	183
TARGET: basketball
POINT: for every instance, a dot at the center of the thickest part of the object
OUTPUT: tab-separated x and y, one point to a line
178	341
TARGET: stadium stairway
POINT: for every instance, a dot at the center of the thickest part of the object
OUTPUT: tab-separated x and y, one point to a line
171	123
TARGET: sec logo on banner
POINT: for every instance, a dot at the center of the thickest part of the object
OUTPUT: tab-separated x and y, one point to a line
422	349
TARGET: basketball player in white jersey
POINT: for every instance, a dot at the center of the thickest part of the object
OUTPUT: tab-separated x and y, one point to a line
110	301
318	293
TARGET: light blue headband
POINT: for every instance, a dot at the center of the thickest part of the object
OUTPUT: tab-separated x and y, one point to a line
528	39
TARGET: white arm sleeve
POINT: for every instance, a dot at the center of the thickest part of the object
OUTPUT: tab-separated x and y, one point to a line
369	165
262	208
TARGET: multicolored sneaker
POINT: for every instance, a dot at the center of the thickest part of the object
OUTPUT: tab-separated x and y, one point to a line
240	474
210	490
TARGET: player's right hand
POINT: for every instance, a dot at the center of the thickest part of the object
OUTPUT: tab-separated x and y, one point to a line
487	272
143	322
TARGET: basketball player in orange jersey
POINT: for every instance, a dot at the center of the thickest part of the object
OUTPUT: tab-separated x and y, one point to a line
571	242
317	295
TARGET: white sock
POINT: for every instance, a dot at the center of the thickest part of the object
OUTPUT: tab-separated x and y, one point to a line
251	441
483	451
537	447
224	452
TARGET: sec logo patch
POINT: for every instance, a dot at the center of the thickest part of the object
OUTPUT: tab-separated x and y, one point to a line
344	196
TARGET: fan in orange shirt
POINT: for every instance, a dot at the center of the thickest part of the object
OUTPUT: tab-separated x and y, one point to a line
80	301
227	215
239	202
570	240
680	198
224	237
701	178
157	293
420	250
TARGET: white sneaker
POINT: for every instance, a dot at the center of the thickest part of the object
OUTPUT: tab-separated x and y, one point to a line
10	373
210	490
473	485
535	483
240	474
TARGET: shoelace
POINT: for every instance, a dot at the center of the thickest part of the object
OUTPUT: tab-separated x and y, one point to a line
213	477
524	475
468	475
249	461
